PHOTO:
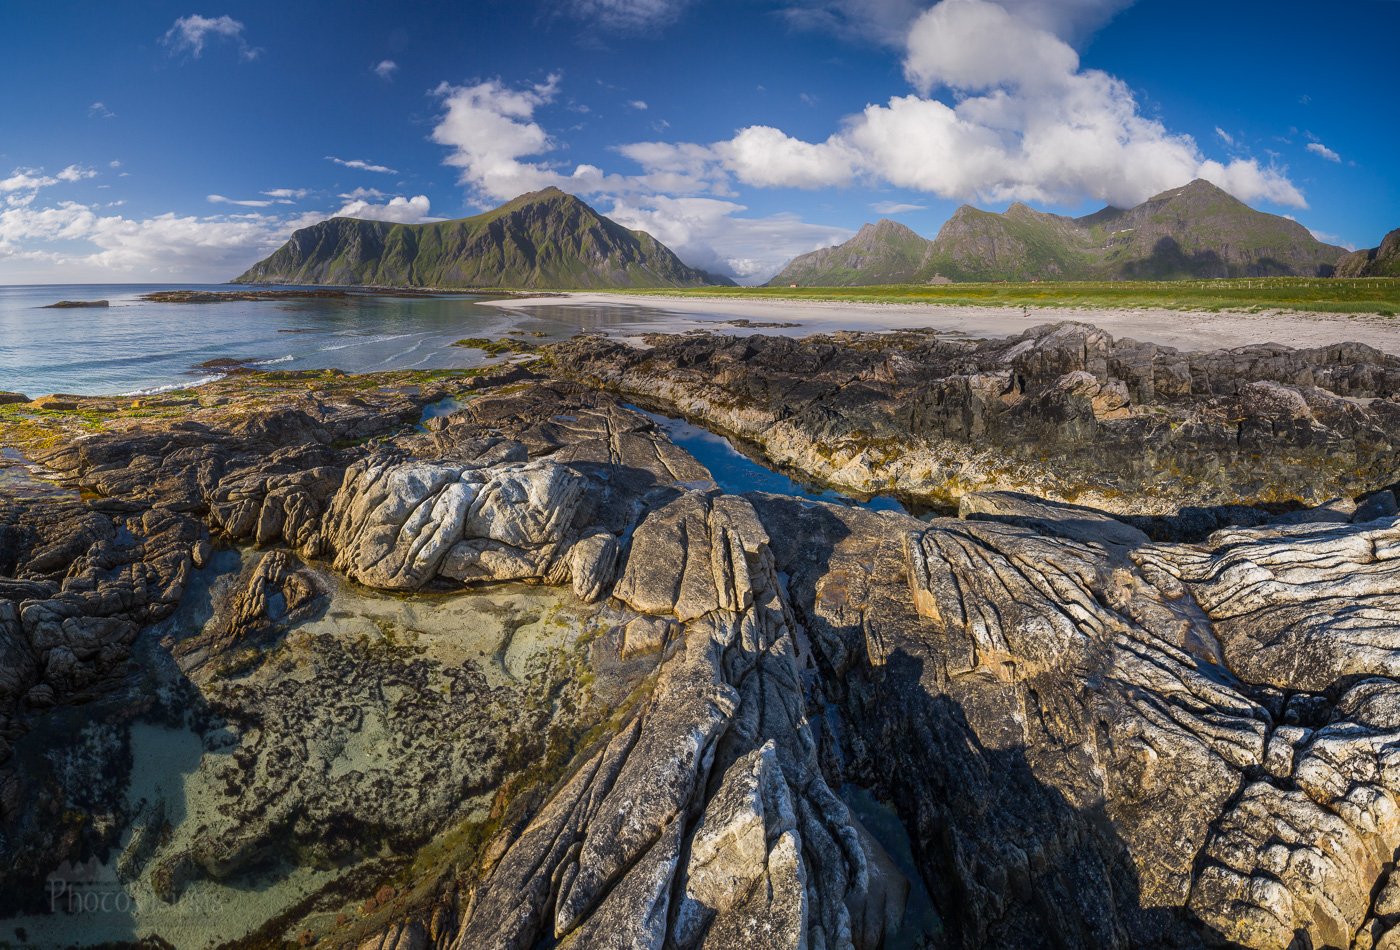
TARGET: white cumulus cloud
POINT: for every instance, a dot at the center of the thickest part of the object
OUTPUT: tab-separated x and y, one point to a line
72	241
32	179
888	21
764	156
386	69
400	210
490	128
1026	123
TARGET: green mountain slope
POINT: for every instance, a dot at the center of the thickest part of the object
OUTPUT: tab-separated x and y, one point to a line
885	252
1382	261
1196	231
1201	231
545	239
1021	244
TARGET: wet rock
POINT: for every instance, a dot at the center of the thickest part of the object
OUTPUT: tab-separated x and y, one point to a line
1062	411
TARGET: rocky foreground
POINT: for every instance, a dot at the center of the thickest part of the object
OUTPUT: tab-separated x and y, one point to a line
515	672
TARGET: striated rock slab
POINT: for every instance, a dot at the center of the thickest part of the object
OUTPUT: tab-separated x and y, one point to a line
711	796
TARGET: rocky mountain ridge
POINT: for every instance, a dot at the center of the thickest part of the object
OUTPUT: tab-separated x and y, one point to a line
541	240
1196	231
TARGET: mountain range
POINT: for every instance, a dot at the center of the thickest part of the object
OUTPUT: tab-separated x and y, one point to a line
544	239
1195	231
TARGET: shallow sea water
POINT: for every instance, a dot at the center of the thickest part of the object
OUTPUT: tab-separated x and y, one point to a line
136	346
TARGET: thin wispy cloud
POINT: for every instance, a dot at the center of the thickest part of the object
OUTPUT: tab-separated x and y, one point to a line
386	69
242	203
189	34
626	16
99	110
359	193
1225	137
637	104
1327	237
895	207
361	165
288	193
887	22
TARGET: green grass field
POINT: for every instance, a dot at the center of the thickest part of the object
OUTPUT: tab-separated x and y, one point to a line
1327	295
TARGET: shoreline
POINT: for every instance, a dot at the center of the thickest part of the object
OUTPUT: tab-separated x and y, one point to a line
1186	330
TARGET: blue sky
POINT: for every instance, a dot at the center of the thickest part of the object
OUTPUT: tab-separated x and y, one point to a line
171	142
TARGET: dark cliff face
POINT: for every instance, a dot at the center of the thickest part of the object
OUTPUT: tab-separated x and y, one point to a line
1193	232
546	239
1382	261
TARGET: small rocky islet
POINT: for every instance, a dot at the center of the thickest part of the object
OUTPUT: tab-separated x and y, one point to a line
482	659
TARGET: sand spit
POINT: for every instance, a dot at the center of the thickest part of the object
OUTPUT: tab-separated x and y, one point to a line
1187	330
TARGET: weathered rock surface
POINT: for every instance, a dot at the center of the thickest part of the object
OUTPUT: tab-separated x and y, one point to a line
1084	721
719	765
1088	738
1062	411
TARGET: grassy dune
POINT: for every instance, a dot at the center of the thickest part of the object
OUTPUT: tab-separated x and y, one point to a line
1326	295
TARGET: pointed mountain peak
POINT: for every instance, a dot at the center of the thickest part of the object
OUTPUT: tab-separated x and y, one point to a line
885	227
545	196
1197	190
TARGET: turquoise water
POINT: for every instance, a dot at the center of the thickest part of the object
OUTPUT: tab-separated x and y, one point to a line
737	473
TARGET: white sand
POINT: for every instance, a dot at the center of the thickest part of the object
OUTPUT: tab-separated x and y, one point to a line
1185	330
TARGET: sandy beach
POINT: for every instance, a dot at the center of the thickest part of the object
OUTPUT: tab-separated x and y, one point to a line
1185	330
